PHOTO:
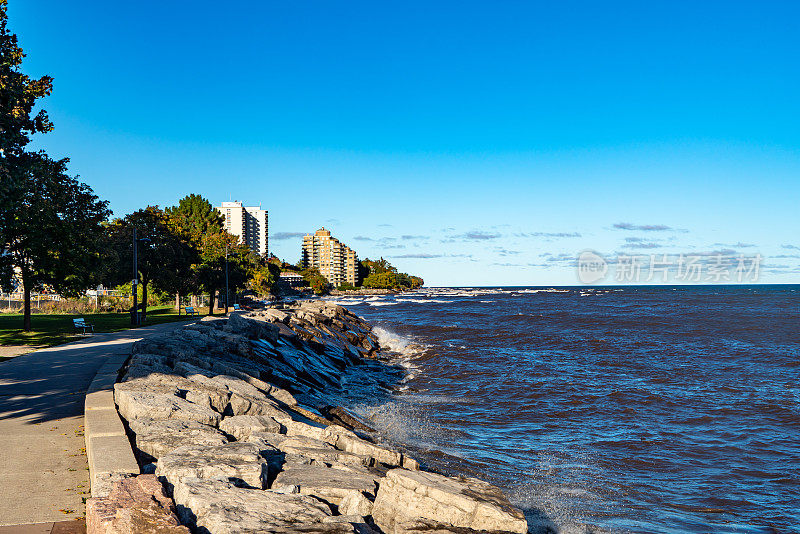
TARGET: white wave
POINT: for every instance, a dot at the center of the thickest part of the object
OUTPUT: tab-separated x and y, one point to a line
395	342
425	301
382	303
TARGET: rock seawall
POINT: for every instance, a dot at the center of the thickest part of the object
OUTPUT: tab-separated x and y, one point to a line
240	420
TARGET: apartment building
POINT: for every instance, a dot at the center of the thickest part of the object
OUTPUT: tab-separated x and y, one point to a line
249	223
337	262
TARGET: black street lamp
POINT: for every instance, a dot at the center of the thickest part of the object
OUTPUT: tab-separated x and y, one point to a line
135	321
226	278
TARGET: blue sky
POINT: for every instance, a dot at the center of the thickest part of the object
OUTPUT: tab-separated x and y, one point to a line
473	143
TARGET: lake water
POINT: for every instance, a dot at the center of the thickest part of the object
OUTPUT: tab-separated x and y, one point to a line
634	409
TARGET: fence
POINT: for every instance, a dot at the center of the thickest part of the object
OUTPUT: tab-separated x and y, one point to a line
10	302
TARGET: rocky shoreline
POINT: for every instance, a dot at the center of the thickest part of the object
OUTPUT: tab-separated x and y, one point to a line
237	427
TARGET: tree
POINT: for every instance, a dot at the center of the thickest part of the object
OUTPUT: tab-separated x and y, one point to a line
264	277
18	95
210	270
51	230
369	267
164	256
385	280
194	217
318	283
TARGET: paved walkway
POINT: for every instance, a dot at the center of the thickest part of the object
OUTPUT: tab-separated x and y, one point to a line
44	476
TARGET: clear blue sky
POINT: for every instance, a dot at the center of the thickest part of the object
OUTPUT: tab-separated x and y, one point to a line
473	143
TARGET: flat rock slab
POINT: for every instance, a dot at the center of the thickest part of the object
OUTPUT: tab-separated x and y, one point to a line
242	426
158	438
329	484
135	505
416	501
244	462
144	404
220	507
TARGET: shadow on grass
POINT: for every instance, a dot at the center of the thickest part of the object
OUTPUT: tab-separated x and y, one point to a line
55	329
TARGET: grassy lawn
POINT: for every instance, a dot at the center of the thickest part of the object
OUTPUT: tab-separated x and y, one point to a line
54	329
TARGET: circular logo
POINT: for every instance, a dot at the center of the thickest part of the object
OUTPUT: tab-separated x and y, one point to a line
592	267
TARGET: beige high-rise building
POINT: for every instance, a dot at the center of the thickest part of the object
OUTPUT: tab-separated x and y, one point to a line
249	223
336	261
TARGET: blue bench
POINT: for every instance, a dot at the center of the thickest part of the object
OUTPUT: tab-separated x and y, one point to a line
190	311
81	324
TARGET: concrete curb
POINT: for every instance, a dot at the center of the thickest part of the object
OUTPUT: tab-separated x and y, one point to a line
108	449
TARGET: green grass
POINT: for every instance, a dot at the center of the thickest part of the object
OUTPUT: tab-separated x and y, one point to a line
54	329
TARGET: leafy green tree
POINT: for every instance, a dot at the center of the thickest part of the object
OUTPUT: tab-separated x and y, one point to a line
18	95
384	280
194	217
317	282
210	271
264	277
51	231
370	267
164	256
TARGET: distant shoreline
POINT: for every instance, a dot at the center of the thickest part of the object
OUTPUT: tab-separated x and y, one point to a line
337	293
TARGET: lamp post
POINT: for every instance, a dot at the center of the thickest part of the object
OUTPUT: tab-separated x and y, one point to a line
226	278
135	284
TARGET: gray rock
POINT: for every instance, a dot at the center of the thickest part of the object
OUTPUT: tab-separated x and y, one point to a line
242	426
218	507
238	461
157	438
416	501
355	503
322	452
278	315
328	484
142	404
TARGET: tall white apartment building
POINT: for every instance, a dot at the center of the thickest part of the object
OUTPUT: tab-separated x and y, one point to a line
249	223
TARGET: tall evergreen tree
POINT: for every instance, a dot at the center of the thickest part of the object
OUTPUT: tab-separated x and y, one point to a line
194	216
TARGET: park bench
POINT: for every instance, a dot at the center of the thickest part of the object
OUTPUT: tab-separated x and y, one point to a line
82	325
237	307
190	311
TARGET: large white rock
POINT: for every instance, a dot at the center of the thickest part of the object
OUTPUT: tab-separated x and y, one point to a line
328	484
416	501
239	461
141	404
242	426
345	440
158	438
219	507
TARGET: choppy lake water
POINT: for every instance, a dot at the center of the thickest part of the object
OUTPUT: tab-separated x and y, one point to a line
606	409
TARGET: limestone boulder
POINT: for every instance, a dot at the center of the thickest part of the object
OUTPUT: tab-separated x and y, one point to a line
416	501
136	505
355	503
158	438
329	484
321	452
151	404
219	507
243	462
242	426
